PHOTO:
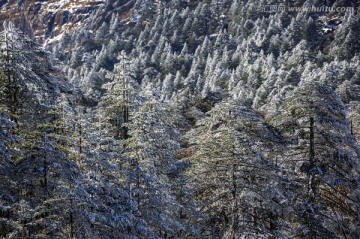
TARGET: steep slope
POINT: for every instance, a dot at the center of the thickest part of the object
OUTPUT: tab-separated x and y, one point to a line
186	119
48	19
45	20
281	65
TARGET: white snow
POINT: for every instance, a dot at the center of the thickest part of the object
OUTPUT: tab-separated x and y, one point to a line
50	40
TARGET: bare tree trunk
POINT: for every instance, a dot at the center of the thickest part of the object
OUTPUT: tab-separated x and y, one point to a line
235	219
311	184
71	214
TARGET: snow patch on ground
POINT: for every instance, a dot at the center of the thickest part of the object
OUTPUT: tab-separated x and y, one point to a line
54	39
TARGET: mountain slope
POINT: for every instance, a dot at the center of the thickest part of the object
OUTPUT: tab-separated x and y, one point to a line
183	119
47	19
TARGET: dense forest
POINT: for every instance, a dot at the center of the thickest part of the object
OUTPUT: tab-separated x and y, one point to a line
182	119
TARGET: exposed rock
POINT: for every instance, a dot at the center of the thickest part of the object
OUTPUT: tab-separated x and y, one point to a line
46	19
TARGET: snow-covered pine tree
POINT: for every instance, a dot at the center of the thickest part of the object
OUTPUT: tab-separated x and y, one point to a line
240	188
323	155
149	163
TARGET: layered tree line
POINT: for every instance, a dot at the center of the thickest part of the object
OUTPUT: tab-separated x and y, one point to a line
189	119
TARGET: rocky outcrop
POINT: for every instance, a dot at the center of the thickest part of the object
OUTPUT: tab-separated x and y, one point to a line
47	19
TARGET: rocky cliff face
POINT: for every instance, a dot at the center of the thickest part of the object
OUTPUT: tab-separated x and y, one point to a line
44	19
